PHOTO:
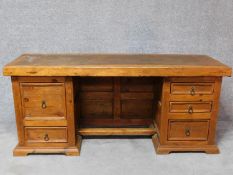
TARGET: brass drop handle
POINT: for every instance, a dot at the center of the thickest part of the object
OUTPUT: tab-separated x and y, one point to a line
190	109
187	132
192	91
46	137
43	105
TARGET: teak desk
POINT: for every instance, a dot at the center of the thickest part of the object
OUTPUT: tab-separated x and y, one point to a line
60	98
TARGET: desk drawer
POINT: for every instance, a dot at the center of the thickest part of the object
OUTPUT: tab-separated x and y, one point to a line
190	107
43	100
188	130
192	88
46	134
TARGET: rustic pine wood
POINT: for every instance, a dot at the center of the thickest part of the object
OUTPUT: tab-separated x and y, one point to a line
166	149
50	128
68	151
116	131
115	65
60	98
182	129
116	101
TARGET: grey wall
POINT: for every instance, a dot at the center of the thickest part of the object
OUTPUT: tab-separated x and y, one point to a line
120	26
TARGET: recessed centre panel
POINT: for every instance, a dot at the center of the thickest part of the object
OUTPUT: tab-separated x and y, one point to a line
116	101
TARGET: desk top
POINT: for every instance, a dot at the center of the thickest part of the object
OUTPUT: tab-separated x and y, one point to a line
115	65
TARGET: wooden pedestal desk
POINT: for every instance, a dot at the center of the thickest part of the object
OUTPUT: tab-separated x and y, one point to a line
60	98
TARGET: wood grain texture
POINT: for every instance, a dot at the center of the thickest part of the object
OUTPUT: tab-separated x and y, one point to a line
46	134
50	128
115	65
187	121
116	131
188	130
116	101
68	151
58	98
166	149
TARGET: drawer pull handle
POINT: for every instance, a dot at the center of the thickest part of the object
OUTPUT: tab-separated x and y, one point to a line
190	110
46	137
26	100
192	91
43	105
187	132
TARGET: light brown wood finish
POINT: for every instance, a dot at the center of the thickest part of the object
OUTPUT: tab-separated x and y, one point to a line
46	134
116	101
182	129
59	98
116	131
115	65
188	130
50	128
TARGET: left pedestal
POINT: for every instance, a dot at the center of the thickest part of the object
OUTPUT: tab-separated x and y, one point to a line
44	108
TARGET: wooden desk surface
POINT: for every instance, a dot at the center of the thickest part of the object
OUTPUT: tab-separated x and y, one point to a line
115	65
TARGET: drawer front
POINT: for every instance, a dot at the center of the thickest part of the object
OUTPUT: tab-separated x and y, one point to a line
192	88
190	107
188	130
43	99
46	134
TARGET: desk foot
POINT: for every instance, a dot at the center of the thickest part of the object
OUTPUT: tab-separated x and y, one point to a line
68	151
158	148
166	149
76	151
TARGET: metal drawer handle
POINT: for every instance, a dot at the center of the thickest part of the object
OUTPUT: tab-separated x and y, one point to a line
187	132
43	105
46	137
190	110
192	91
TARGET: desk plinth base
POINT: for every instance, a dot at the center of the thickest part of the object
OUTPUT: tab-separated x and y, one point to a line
166	149
68	151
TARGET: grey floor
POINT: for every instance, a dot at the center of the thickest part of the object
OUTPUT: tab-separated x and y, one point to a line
118	156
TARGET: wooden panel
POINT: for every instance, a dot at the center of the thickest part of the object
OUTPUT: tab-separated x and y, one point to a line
188	130
190	107
97	108
116	131
189	116
117	99
188	79
107	122
215	108
163	104
192	88
117	104
30	89
137	96
96	96
135	84
192	98
46	134
71	118
115	65
18	110
52	121
41	79
136	108
96	84
43	99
